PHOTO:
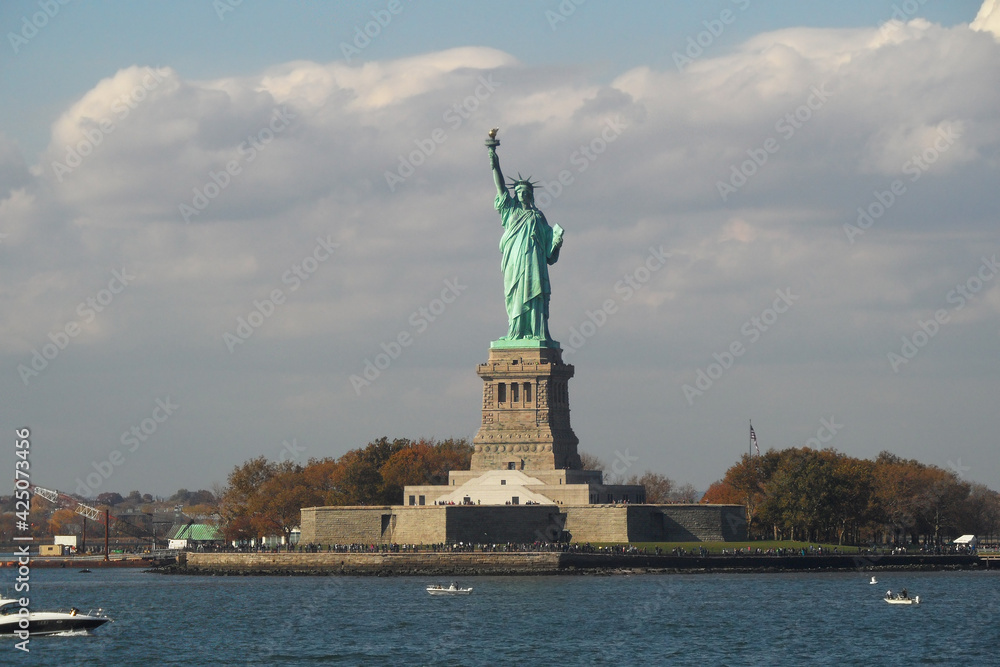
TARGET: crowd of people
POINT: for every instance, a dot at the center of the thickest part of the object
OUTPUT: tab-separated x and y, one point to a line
566	547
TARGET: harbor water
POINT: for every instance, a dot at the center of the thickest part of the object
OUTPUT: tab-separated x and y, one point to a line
671	619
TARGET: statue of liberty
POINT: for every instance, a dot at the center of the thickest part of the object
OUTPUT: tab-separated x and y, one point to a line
527	248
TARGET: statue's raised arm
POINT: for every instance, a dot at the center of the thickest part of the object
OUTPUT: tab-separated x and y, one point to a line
492	144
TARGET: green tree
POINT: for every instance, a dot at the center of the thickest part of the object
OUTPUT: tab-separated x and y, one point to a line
796	492
981	512
853	496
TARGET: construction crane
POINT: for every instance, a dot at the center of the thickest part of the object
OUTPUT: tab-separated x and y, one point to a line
94	514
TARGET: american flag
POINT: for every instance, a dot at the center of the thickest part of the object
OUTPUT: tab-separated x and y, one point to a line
753	439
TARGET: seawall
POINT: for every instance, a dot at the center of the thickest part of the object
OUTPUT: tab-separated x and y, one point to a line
381	564
78	563
536	563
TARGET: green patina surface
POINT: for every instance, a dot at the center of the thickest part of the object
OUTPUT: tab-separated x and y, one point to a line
527	248
522	343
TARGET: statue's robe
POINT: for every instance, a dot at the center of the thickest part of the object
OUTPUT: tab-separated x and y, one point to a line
527	248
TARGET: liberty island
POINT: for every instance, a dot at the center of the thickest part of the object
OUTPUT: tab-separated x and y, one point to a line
526	482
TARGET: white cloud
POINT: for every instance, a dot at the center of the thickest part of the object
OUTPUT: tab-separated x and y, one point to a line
988	18
883	97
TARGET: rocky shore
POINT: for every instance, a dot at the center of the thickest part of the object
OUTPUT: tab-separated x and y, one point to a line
537	563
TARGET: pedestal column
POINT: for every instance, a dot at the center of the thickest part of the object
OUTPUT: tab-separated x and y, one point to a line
525	423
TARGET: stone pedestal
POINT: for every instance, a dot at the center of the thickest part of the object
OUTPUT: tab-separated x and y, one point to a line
525	422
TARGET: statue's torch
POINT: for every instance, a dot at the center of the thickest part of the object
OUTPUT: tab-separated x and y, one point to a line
492	142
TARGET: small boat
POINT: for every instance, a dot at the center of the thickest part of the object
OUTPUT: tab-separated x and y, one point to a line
46	622
453	589
873	581
901	598
85	570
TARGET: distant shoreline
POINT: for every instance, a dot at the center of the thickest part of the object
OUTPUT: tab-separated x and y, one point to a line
539	563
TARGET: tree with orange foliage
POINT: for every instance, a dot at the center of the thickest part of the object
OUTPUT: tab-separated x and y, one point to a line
243	484
915	499
64	521
424	462
722	492
276	507
409	466
264	498
322	475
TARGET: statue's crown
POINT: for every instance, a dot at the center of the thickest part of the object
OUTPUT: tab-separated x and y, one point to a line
520	182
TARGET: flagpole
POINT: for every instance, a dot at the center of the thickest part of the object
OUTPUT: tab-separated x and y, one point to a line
754	469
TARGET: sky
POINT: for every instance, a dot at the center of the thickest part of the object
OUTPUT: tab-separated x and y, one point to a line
237	229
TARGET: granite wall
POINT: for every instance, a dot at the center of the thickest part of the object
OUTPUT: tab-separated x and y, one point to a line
374	563
451	524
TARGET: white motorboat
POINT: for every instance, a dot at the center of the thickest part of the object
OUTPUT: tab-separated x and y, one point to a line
46	622
901	598
453	589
